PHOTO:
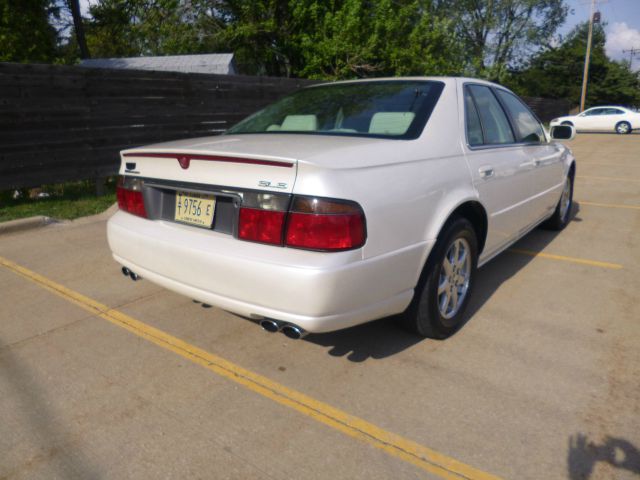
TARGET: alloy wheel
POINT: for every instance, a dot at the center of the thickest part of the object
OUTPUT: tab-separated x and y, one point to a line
455	275
565	200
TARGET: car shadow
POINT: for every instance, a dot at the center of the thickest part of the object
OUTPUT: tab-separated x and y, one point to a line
583	455
385	337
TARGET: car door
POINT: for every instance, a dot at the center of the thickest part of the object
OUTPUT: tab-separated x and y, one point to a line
548	175
500	170
610	118
603	121
590	120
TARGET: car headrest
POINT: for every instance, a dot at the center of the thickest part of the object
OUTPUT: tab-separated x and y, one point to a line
391	123
300	123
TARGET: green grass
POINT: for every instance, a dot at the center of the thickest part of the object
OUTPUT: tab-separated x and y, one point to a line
66	201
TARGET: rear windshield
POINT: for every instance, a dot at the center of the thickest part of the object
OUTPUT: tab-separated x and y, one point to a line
387	109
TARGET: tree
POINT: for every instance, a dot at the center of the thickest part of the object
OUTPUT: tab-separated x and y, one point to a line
37	43
386	37
149	27
557	72
339	38
497	34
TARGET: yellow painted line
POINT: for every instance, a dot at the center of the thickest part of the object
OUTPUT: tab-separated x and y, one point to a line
395	445
609	205
581	261
612	179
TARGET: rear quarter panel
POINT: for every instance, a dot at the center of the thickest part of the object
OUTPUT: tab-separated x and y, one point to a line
407	188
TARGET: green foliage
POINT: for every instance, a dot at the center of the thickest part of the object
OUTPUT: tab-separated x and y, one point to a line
339	39
65	201
121	28
502	40
557	73
57	208
260	34
25	32
361	39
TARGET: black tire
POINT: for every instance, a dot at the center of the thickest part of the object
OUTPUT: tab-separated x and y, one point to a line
567	123
561	216
623	128
423	316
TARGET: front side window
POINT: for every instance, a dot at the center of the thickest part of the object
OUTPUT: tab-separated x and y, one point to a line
594	111
528	128
495	124
383	109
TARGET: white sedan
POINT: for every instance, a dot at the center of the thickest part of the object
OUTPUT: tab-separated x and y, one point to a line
344	203
602	119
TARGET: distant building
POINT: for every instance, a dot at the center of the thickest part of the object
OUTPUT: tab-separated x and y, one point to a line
219	63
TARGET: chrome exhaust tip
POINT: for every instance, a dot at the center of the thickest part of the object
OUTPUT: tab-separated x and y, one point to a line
126	271
294	332
271	325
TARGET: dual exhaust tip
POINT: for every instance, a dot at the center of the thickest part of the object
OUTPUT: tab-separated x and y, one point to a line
132	275
292	331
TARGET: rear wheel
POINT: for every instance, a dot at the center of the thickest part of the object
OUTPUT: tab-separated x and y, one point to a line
443	292
562	213
623	128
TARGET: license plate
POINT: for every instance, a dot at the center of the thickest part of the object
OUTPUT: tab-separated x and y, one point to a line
195	209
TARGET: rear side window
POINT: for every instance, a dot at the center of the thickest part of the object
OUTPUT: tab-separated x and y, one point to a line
474	129
495	124
528	128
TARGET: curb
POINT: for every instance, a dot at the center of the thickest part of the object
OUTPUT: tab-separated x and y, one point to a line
22	224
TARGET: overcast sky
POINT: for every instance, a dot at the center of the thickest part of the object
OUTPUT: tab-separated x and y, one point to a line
622	18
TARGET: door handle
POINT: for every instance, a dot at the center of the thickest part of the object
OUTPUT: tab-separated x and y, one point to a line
537	162
486	171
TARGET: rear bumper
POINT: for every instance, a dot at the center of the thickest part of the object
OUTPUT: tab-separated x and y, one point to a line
320	292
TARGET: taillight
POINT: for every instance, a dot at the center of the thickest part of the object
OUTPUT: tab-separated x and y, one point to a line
262	217
129	194
309	223
323	224
262	226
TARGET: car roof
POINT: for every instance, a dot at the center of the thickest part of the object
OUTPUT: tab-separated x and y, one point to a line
418	78
608	106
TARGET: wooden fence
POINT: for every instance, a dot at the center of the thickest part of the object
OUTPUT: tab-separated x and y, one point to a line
547	109
61	123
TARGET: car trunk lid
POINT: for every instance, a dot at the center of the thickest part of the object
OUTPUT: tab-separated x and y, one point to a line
211	166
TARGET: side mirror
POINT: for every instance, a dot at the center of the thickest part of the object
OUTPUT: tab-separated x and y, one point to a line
563	132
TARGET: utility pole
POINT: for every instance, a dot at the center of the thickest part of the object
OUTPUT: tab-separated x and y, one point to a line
74	5
587	58
632	53
594	17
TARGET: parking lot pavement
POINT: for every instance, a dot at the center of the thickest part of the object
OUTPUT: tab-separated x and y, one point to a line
101	377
